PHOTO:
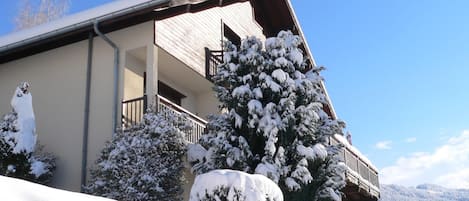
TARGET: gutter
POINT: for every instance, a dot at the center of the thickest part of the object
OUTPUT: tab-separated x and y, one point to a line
84	24
86	117
116	75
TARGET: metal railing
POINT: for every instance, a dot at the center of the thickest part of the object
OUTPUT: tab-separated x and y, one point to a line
197	124
132	111
359	171
213	58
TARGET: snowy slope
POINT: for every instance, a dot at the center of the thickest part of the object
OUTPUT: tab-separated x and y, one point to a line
12	189
424	192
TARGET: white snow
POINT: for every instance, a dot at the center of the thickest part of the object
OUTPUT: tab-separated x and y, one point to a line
281	61
312	153
255	107
12	189
195	152
280	75
272	84
238	119
38	168
241	91
268	169
254	187
11	168
354	150
69	21
257	93
296	56
21	102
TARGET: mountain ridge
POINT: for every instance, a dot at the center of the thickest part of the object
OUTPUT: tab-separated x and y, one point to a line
422	192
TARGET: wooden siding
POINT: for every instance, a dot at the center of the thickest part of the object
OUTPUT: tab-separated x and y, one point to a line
185	36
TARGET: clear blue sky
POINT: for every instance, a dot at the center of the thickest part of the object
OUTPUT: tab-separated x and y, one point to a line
397	74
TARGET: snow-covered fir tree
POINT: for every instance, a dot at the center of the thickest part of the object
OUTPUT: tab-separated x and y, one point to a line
143	163
275	124
19	156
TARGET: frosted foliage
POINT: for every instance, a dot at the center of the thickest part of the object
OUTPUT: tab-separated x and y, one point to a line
276	125
25	138
143	163
18	155
234	186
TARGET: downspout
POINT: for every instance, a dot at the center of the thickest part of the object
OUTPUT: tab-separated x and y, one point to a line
86	118
116	75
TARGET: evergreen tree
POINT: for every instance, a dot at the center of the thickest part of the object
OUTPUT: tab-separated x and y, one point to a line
143	163
19	156
275	124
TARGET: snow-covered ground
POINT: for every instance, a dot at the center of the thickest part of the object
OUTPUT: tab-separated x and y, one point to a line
254	187
12	189
424	192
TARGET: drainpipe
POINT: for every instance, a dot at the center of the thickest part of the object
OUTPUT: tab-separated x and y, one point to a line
86	118
116	75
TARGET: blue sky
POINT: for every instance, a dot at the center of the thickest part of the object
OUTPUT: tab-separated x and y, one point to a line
396	73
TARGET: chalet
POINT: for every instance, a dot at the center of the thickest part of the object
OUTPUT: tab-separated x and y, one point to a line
97	70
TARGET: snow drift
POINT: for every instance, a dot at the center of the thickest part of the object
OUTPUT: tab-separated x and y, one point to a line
12	189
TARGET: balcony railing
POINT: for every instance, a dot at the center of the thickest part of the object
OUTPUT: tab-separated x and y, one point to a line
213	58
359	170
197	124
133	110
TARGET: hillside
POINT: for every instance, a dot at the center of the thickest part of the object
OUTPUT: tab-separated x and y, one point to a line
424	192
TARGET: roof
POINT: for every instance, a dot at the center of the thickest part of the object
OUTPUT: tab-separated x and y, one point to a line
88	16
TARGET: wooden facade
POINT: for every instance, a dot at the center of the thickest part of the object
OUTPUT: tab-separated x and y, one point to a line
185	36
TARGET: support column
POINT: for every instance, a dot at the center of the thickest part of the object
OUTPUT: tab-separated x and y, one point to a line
152	75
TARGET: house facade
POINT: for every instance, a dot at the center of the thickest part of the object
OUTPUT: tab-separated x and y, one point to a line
96	71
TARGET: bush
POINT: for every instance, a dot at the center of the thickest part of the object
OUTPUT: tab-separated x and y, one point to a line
143	163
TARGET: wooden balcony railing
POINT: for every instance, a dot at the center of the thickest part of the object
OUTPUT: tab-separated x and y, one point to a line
213	58
359	170
133	110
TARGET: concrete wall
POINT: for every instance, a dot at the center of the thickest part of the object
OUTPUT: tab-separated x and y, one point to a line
58	80
133	77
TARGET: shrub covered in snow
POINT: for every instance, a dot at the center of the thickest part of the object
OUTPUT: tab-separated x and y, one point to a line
275	124
19	156
232	185
143	163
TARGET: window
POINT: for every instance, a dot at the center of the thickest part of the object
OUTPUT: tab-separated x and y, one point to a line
230	35
170	93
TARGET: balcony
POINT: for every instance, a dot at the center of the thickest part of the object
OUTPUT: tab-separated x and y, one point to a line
213	58
133	111
361	175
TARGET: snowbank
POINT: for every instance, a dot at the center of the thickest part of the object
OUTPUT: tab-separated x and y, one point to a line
254	187
12	189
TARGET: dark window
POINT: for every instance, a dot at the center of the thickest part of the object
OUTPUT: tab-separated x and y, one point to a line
230	35
170	93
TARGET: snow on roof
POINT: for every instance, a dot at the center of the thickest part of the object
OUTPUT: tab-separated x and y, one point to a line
354	150
21	190
70	21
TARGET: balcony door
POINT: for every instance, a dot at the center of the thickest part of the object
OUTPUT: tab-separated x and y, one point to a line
169	93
